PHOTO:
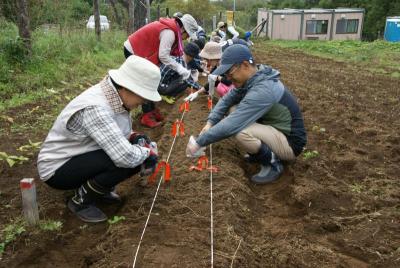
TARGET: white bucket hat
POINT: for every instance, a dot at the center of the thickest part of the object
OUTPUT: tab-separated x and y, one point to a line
211	51
139	76
220	24
190	25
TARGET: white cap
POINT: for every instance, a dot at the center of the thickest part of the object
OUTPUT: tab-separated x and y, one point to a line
139	76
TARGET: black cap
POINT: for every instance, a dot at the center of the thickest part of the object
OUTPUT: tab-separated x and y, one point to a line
191	49
201	42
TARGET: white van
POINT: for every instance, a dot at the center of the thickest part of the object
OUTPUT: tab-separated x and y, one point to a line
104	23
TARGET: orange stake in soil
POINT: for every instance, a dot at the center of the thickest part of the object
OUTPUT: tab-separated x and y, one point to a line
167	172
184	107
202	163
178	125
209	103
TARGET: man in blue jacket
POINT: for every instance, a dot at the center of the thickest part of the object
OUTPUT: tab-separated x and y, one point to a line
261	113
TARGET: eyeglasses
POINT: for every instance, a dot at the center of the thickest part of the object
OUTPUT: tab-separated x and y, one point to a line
233	69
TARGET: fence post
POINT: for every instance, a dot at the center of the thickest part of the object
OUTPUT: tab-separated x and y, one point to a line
29	203
214	18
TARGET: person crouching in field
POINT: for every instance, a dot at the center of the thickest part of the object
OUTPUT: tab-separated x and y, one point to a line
172	85
90	147
212	53
261	113
160	41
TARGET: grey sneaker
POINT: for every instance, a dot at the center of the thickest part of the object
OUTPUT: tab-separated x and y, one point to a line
268	173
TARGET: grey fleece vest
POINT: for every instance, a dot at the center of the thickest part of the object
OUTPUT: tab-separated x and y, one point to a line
61	144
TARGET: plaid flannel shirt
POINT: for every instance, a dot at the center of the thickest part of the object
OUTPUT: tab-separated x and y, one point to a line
168	74
97	123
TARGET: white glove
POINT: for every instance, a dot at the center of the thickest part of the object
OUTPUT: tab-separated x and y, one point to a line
185	74
195	75
211	84
212	77
193	149
192	96
222	34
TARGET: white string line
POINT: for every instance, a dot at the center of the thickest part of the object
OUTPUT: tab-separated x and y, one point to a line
211	207
155	196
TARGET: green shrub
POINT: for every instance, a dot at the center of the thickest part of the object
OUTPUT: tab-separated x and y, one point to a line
74	55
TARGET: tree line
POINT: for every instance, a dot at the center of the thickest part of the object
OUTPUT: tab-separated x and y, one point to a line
131	14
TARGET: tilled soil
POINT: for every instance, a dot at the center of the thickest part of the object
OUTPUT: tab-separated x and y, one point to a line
339	209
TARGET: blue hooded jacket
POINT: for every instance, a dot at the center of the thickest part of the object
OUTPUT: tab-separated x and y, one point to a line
262	99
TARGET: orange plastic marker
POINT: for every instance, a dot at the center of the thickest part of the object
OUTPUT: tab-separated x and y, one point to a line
178	125
167	172
184	107
209	103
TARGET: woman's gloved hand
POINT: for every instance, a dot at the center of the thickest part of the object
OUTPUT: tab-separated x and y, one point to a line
192	96
193	149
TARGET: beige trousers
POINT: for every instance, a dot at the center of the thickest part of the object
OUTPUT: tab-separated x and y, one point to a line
251	137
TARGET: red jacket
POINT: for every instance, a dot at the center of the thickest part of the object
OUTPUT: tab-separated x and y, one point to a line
145	42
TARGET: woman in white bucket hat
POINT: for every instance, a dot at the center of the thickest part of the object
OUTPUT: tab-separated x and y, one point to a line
91	147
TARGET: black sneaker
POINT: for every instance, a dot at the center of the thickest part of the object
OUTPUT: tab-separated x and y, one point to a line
111	198
249	158
86	212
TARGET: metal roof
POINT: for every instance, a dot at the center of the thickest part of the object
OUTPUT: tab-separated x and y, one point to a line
395	19
349	10
316	10
286	11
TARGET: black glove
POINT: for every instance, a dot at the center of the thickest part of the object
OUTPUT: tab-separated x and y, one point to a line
151	162
135	137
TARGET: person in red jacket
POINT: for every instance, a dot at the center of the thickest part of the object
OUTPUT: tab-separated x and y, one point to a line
159	42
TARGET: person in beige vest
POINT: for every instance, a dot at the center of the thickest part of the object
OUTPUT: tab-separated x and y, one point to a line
91	147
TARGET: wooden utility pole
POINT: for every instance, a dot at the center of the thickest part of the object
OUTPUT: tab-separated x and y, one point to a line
96	12
131	17
23	25
148	17
117	15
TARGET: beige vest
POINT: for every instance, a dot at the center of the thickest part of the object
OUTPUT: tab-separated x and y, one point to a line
61	144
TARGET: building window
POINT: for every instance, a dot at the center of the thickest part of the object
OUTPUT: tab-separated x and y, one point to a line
344	26
317	27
